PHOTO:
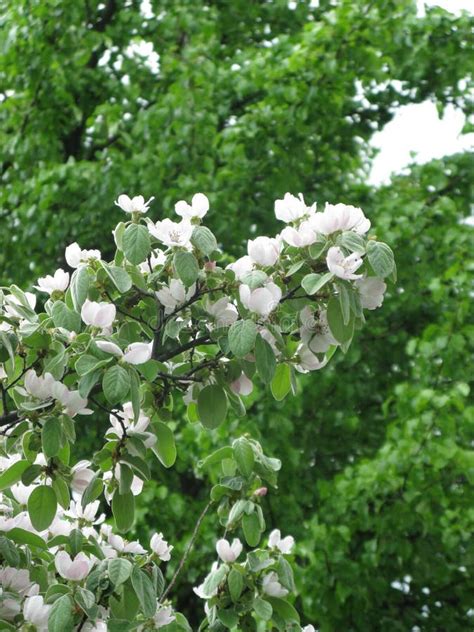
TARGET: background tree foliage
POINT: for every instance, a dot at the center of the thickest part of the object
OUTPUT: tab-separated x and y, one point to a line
250	100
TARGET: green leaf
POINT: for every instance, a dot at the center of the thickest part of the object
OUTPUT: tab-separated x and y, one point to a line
145	591
164	448
116	384
119	277
135	393
381	258
9	552
352	241
285	574
186	267
212	406
42	506
263	609
13	474
61	489
123	509
119	570
214	580
254	279
242	336
79	287
284	609
51	435
251	528
85	599
264	359
235	582
21	536
61	615
244	456
64	317
136	243
92	491
204	240
341	332
86	364
228	618
281	383
312	283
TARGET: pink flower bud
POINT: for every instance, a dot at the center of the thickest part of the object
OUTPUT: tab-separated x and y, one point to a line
261	491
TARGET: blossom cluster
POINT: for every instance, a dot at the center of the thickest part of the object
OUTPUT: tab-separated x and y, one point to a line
168	322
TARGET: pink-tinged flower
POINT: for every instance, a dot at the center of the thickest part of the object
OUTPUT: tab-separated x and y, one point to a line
160	547
56	283
40	386
73	403
284	545
308	628
13	304
264	251
17	580
308	361
136	204
156	259
109	347
261	491
229	552
36	612
299	237
242	385
138	352
343	267
198	207
314	330
342	217
75	256
122	546
98	314
371	292
241	266
172	234
81	476
163	617
75	569
223	312
174	295
262	300
272	587
291	208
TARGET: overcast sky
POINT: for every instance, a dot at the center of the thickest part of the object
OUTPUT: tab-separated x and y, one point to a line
416	133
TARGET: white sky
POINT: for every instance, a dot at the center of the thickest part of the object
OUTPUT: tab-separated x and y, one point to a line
416	133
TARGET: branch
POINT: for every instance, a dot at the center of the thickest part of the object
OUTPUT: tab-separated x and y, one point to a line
187	551
10	418
203	340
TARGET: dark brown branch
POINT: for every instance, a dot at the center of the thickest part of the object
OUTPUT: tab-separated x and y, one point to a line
203	340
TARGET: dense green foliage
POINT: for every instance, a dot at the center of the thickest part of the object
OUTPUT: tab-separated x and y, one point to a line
377	451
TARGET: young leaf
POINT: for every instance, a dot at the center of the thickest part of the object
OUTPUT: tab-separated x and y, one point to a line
242	335
186	267
79	287
42	505
164	448
61	615
313	282
281	383
204	240
264	359
341	332
116	384
51	435
212	406
123	509
244	456
136	243
381	258
145	591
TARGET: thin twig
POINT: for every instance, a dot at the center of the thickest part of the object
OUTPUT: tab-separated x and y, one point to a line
187	550
111	412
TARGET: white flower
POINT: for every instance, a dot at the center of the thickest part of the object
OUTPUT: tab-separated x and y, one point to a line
308	628
340	217
343	267
308	361
122	546
157	258
88	513
40	386
3	373
284	545
56	283
138	352
291	208
81	476
174	295
12	302
136	204
198	207
137	484
315	332
75	256
164	616
75	569
262	300
172	233
229	552
109	347
98	314
223	312
272	587
160	547
242	385
17	580
371	291
299	237
72	401
263	251
241	267
35	611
